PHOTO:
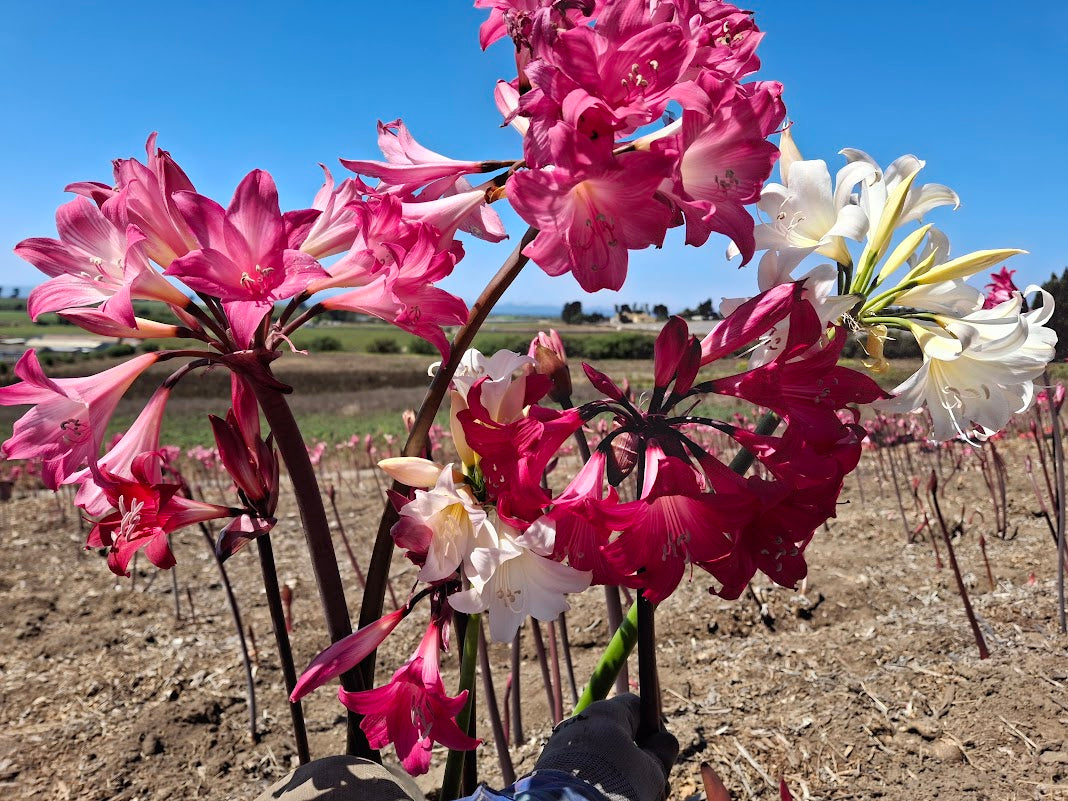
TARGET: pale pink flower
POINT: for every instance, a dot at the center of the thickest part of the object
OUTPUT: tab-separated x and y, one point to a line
66	426
93	263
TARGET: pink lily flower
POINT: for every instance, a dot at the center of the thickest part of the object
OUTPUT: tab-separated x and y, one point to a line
243	258
410	167
585	519
254	467
1000	288
408	164
511	17
514	454
413	711
623	71
394	264
750	320
591	209
145	512
726	37
724	157
803	385
142	437
66	426
146	200
677	524
143	198
93	262
334	228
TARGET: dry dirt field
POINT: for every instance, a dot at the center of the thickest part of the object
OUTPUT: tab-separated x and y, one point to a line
865	685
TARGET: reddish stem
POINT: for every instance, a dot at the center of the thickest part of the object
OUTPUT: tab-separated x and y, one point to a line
378	569
979	641
317	536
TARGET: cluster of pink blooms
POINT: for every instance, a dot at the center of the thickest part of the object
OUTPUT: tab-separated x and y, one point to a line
635	117
602	178
120	243
492	524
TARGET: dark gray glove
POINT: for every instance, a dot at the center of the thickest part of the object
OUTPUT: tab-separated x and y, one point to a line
598	746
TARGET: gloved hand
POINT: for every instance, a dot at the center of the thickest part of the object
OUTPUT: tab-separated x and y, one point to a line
598	746
342	778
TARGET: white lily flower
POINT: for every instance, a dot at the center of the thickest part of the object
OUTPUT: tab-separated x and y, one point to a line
456	521
807	215
954	298
974	386
516	579
920	199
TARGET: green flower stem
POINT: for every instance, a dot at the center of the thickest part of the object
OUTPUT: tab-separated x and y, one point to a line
626	636
454	763
612	661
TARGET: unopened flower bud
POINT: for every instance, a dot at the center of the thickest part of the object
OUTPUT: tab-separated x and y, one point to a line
621	458
550	358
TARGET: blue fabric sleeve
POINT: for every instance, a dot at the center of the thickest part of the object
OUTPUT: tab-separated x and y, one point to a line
543	785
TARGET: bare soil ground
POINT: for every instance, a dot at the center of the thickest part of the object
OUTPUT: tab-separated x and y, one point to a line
866	684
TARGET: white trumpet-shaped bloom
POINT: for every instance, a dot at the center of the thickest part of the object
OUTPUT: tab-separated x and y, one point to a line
516	579
920	199
978	370
456	523
807	213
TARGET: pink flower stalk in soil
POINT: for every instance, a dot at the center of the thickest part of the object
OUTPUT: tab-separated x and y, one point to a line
145	512
66	426
413	711
243	258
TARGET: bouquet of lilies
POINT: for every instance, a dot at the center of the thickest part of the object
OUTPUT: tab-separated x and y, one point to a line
634	117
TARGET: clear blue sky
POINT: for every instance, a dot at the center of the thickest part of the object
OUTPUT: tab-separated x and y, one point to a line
978	89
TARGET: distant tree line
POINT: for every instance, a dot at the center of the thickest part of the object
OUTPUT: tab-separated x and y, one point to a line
572	313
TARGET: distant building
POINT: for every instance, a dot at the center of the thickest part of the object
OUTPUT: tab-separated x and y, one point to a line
66	344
